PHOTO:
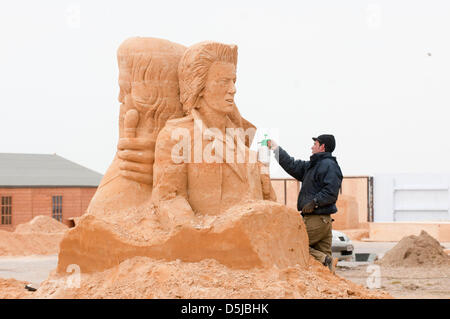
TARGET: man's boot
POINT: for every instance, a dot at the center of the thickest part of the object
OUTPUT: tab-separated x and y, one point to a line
330	263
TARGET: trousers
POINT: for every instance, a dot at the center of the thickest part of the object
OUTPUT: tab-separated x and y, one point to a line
319	229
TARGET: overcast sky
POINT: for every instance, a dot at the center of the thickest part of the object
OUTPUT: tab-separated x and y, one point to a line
376	74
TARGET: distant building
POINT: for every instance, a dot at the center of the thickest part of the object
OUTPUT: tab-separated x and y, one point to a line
385	207
42	184
412	198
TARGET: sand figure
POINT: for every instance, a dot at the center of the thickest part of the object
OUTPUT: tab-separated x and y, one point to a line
149	96
214	169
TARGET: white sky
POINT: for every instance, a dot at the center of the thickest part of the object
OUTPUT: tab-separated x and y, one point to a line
360	70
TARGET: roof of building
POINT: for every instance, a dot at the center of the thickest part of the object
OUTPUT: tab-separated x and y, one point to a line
44	170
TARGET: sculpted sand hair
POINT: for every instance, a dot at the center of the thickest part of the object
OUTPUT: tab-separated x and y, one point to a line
194	66
148	73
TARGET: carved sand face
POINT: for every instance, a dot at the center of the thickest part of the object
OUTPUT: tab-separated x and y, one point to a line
137	93
141	94
219	89
124	81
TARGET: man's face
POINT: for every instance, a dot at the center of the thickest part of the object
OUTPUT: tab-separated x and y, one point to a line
138	93
317	148
219	89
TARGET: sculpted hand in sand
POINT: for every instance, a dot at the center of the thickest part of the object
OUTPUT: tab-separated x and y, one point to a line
217	170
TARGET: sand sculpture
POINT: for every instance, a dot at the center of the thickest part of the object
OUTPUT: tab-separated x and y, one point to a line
185	210
149	96
184	184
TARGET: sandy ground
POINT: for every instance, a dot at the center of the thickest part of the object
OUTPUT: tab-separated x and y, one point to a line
31	269
423	282
403	282
399	282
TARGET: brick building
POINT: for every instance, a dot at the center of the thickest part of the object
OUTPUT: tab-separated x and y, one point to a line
42	184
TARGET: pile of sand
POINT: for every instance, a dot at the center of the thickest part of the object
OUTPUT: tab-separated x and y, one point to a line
41	224
255	250
416	251
40	236
143	277
13	289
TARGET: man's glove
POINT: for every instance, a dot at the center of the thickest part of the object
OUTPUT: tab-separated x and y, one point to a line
272	145
309	207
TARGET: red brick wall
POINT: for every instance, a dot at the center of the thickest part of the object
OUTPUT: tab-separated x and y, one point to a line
30	202
21	205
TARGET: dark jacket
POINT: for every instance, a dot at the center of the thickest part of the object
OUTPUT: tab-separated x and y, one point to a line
321	179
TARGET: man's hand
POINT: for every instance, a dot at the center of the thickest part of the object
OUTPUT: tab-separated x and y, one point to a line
309	207
272	144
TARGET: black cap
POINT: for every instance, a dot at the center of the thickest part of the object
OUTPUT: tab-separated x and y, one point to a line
328	140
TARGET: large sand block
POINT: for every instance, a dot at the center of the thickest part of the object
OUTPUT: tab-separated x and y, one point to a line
257	234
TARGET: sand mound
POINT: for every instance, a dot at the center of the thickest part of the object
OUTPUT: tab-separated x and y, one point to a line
42	224
13	289
12	244
143	277
414	251
255	250
40	236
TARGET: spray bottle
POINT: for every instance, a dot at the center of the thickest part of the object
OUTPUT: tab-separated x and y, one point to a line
264	151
